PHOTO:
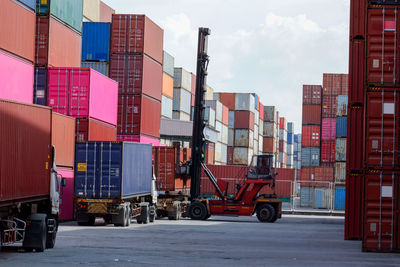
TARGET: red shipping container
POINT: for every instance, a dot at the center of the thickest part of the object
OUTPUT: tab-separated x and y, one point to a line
17	28
94	130
137	74
282	146
282	123
225	115
312	114
335	84
138	114
67	195
383	46
63	139
324	174
269	145
357	71
312	94
284	183
25	149
228	100
165	162
382	130
56	44
381	214
353	224
261	112
136	34
244	120
329	106
355	139
310	136
328	151
106	12
307	174
229	155
82	93
358	12
210	153
139	139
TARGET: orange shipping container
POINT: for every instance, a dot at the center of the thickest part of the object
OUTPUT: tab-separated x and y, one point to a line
17	30
168	86
93	130
63	139
227	99
269	145
225	115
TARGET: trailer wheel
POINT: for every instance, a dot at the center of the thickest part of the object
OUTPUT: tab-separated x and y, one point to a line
266	213
152	216
128	216
36	233
145	215
198	211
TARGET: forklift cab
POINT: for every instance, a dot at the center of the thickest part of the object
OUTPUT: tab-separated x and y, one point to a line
261	168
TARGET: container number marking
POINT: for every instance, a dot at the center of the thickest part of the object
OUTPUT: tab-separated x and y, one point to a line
82	167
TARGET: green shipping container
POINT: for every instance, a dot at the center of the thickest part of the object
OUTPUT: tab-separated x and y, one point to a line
68	11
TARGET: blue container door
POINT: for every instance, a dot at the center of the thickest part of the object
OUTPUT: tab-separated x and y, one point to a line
109	172
40	87
321	198
85	170
340	196
96	41
306	197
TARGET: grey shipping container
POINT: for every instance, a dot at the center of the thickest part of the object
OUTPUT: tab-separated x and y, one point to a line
322	198
342	101
340	154
166	107
112	170
101	67
310	156
306	196
209	116
231	119
290	127
269	113
269	129
168	64
244	102
182	100
231	137
340	172
244	138
182	79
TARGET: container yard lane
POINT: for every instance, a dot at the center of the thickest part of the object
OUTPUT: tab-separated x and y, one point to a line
220	241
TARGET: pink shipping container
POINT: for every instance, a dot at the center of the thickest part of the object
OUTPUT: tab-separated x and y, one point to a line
16	79
328	129
139	139
83	93
67	195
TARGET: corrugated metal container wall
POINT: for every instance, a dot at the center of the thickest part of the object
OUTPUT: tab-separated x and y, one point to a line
224	134
182	100
310	136
137	74
209	116
290	127
225	115
17	30
328	151
40	87
310	157
382	209
63	139
68	11
341	127
231	119
166	107
164	167
168	86
342	101
128	175
91	10
56	45
182	116
328	129
106	12
282	123
229	156
335	84
311	114
341	149
16	79
242	155
340	172
136	34
312	94
269	145
244	102
96	41
329	105
83	93
261	112
354	207
193	90
244	120
31	4
30	147
227	99
168	64
324	174
67	194
231	137
321	198
101	67
93	130
306	194
340	196
269	113
182	79
143	139
243	138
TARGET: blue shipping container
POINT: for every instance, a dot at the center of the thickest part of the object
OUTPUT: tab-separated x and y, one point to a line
96	41
40	87
305	196
310	156
290	138
296	138
341	127
31	4
101	67
340	196
290	127
321	198
112	170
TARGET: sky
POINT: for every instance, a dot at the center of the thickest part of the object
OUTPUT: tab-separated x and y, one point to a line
267	47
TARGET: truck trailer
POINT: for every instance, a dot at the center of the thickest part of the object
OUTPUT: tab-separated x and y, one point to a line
114	180
29	186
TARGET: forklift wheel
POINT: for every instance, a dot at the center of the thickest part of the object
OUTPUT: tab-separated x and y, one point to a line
198	211
266	213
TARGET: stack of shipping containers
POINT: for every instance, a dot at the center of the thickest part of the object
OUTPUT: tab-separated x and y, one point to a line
372	182
182	102
270	132
283	133
290	146
136	64
167	86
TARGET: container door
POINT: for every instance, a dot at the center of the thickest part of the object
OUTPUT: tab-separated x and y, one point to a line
85	170
58	90
109	169
80	92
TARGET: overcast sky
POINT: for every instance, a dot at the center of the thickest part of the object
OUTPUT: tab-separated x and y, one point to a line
270	47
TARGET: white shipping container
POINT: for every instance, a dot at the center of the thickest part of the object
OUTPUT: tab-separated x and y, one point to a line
211	135
209	116
231	119
261	127
255	147
182	100
282	134
182	79
231	139
244	102
269	129
289	149
224	153
256	117
218	127
217	106
260	144
255	132
242	155
218	154
224	132
209	93
178	115
243	138
166	107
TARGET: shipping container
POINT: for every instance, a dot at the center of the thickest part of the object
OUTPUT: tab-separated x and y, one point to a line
269	129
341	149
25	150
165	162
16	79
221	151
341	109
244	120
260	127
328	151
67	11
310	157
357	66
282	135
357	19
56	45
40	87
225	115
311	115
217	106
269	145
328	129
324	174
127	173
355	144
310	136
94	130
282	123
96	41
243	138
231	119
182	100
209	116
322	198
166	107
242	155
17	28
334	84
193	83
354	210
137	74
290	138
282	146
341	127
136	34
179	115
82	93
244	102
67	194
382	209
329	105
183	79
168	64
168	86
227	99
106	12
340	172
306	196
91	10
270	114
139	114
340	196
312	94
290	127
31	4
210	153
101	67
63	139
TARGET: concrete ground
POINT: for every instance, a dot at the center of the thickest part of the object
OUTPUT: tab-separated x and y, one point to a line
220	241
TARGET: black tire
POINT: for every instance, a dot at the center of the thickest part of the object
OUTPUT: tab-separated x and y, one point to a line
51	240
92	220
128	216
266	213
198	211
28	249
152	218
43	237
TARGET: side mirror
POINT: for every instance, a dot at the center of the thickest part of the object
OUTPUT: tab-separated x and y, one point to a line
63	182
